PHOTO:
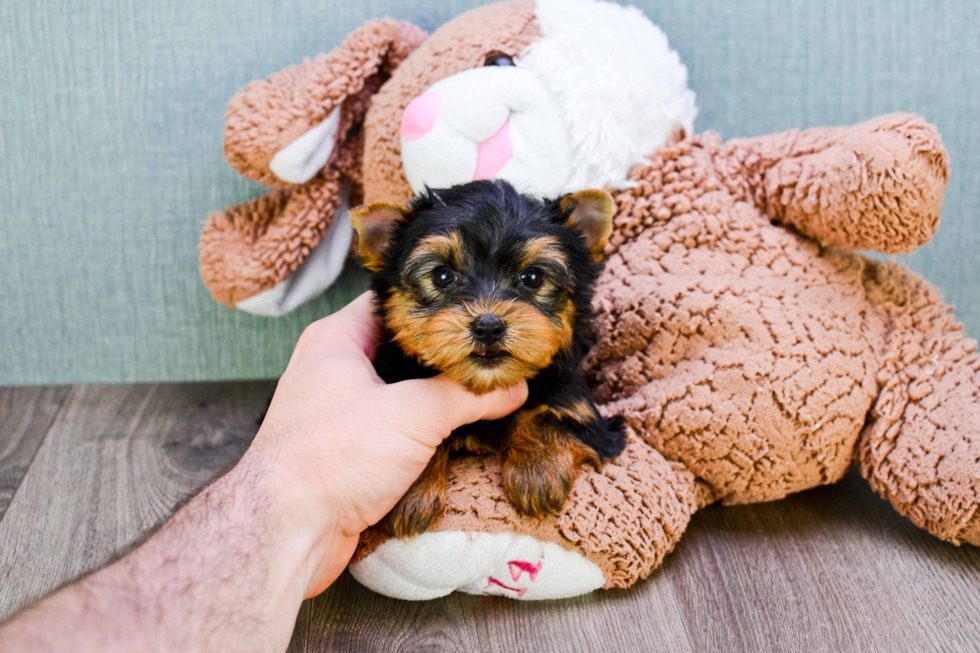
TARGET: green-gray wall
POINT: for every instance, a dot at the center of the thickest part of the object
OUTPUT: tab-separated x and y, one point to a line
111	118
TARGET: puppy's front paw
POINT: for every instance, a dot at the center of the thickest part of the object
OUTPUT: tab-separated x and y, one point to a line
538	483
424	501
416	511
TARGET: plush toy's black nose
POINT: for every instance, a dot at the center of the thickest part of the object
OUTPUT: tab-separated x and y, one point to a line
488	329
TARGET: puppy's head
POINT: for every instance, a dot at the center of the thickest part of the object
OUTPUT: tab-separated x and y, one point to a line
482	283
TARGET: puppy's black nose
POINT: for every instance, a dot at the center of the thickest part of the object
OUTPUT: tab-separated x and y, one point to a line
488	329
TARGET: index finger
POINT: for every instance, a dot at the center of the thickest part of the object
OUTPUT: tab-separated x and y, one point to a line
436	406
353	329
359	323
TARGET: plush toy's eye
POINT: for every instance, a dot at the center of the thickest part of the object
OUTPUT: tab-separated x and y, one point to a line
498	59
532	278
443	277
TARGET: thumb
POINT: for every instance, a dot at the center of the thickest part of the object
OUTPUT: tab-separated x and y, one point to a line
438	405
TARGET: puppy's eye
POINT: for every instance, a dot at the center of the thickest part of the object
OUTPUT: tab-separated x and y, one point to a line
498	59
532	278
443	277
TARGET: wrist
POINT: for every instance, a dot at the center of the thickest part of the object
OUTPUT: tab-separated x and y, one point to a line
314	548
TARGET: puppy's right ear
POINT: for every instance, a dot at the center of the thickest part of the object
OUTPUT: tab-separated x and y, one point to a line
374	224
590	213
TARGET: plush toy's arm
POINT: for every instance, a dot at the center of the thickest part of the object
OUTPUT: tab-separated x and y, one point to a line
877	185
307	108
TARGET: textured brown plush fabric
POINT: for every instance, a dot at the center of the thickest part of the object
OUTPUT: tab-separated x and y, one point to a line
268	115
757	359
921	448
750	352
756	356
875	186
249	248
625	519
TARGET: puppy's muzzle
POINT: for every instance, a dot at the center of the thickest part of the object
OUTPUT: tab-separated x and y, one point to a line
488	330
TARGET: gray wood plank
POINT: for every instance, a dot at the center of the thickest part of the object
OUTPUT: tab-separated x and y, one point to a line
349	617
833	568
25	415
116	461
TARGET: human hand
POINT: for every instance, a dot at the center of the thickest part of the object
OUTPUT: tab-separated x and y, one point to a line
342	447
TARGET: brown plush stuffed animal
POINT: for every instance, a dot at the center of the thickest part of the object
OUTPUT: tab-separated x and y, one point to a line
752	352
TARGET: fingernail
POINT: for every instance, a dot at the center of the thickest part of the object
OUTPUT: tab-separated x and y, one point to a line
518	392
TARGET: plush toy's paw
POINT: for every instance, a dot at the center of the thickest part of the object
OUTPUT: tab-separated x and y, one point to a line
615	528
505	564
921	449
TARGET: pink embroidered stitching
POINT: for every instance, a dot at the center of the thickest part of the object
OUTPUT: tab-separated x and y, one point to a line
522	566
493	581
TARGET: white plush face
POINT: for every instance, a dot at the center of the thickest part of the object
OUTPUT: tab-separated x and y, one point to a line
496	121
596	93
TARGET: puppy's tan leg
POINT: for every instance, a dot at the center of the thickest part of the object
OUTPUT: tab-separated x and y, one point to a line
424	501
470	443
541	462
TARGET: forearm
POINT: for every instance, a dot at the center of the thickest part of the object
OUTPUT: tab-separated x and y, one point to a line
227	572
336	450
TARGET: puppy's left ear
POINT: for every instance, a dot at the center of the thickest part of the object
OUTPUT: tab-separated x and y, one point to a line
590	212
374	225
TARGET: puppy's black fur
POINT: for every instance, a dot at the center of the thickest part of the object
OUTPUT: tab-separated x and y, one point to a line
515	258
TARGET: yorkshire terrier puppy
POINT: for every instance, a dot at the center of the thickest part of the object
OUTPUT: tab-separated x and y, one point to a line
488	287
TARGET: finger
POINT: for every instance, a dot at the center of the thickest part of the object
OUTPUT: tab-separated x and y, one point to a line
439	405
354	328
358	321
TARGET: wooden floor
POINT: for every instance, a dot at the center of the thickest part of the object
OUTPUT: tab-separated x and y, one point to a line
85	470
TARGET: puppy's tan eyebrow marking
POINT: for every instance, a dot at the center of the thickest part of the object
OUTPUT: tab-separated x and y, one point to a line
449	247
543	247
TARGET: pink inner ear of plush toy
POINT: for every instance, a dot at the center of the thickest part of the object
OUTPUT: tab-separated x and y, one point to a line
420	115
493	153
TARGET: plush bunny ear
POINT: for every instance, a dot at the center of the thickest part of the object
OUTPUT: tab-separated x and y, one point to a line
282	130
299	130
